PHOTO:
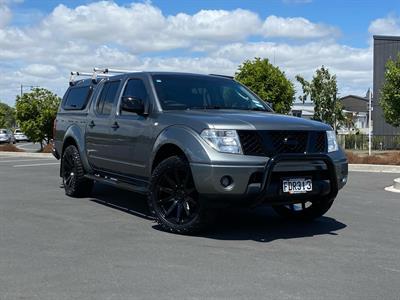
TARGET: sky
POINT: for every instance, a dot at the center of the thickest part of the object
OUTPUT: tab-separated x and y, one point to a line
42	41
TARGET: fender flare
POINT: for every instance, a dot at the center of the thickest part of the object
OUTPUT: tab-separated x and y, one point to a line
185	138
75	132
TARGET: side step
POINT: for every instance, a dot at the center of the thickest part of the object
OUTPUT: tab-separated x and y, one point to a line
117	183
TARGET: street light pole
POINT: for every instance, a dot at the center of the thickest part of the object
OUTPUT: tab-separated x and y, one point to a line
369	121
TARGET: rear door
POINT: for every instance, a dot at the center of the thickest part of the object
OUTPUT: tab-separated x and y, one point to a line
99	143
132	133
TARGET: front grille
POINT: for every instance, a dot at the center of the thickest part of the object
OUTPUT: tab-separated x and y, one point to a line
320	142
287	141
273	142
251	142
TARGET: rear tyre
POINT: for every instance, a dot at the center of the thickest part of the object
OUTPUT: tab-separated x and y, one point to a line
173	198
75	184
307	211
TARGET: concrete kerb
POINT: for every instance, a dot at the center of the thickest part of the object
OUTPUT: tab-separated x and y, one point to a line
25	154
374	168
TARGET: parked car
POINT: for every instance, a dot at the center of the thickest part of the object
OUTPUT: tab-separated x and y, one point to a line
20	136
193	143
6	136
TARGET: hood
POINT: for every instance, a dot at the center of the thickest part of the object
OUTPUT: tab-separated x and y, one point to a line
242	120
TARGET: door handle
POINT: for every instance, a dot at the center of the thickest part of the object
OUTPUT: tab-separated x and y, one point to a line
91	124
115	125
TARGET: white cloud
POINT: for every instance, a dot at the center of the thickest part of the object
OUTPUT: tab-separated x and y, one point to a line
136	36
142	27
385	26
353	66
296	28
5	15
40	70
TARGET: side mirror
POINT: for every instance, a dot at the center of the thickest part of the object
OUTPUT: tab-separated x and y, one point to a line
132	104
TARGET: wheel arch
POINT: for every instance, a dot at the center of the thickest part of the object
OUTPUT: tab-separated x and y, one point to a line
75	136
165	151
178	140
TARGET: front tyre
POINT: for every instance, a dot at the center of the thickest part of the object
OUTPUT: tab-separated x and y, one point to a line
73	174
173	198
306	211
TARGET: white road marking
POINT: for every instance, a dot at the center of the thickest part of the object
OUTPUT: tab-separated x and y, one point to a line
36	165
18	160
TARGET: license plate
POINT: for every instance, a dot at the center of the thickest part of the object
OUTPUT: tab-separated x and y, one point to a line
296	185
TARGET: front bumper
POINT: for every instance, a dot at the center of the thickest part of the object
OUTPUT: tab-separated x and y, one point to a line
262	182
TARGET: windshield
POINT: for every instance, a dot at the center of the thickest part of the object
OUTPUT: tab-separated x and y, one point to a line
178	92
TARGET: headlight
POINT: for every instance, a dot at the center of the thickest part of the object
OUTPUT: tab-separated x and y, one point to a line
332	143
223	140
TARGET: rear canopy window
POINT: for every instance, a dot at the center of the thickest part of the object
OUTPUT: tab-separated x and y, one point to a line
77	98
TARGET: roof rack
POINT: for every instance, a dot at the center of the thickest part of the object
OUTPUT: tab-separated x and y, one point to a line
87	74
98	72
107	70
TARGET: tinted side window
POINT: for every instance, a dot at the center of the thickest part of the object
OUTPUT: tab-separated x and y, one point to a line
135	88
107	97
77	98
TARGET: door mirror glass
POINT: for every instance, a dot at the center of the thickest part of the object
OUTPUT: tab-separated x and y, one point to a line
132	104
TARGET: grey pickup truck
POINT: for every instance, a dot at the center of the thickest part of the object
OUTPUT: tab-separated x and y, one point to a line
193	144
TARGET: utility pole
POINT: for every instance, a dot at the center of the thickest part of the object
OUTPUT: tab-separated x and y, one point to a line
369	121
27	86
334	114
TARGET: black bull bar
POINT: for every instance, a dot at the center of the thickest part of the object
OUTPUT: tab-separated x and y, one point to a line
270	165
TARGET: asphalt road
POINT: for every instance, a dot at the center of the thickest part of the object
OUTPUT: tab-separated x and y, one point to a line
106	247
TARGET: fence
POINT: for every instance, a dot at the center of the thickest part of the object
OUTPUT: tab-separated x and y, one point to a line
360	142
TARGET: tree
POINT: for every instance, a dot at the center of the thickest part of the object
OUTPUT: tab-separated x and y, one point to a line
268	82
322	91
390	93
7	116
35	113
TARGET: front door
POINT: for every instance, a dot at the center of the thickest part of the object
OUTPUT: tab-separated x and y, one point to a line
132	133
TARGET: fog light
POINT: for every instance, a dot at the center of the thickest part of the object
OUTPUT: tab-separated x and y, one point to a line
226	181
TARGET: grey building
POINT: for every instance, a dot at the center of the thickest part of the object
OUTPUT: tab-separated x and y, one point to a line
385	48
355	103
358	107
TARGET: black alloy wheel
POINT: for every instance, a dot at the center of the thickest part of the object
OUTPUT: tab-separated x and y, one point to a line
173	198
73	175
